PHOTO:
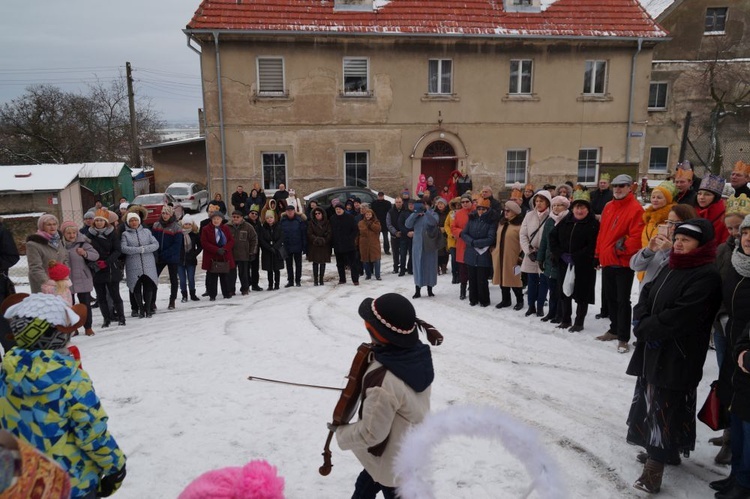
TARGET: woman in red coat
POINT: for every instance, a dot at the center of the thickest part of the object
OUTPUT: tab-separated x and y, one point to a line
217	243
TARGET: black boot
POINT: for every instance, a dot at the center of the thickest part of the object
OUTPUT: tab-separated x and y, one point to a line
418	292
184	298
531	311
171	304
462	296
120	307
429	291
736	492
193	296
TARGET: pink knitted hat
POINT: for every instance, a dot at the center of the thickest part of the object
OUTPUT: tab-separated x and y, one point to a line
256	480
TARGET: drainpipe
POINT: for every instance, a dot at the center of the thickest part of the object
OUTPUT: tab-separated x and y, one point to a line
203	97
630	100
221	118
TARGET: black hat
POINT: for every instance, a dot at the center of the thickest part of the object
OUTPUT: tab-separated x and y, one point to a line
697	228
290	207
393	317
238	213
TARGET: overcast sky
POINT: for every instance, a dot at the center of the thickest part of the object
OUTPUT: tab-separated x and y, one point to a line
72	42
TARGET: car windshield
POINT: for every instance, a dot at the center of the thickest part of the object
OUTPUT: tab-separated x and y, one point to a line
178	191
149	199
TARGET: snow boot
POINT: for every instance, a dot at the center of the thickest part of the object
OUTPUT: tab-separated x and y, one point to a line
462	296
193	296
184	298
418	292
531	311
171	304
725	455
650	479
724	485
429	291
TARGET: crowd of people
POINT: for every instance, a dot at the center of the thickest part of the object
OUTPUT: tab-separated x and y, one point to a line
689	249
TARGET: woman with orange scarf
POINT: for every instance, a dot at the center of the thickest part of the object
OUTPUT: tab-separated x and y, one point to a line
662	200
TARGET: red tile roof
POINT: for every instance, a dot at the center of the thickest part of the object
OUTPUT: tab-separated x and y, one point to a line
567	18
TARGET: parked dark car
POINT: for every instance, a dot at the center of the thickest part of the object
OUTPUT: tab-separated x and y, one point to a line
154	203
324	196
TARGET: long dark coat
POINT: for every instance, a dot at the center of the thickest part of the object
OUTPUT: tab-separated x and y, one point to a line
108	246
736	296
344	232
271	238
577	237
319	238
480	232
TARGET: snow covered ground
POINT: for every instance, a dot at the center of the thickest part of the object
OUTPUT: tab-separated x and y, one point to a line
176	390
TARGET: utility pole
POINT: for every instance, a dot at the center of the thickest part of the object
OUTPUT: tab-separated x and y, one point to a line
685	137
135	153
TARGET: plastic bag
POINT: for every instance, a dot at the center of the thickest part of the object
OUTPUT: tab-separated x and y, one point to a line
570	280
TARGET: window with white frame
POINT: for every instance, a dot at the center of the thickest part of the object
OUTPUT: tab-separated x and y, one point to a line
595	77
716	20
355	163
274	169
440	76
515	165
270	76
356	76
657	95
588	161
520	76
658	159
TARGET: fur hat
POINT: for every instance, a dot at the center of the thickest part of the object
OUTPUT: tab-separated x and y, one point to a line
57	271
455	203
393	318
68	224
668	189
561	200
256	480
714	184
513	206
44	219
581	197
738	205
623	179
742	167
679	173
41	321
697	228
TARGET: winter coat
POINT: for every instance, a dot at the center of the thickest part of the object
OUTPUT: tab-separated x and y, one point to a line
450	239
369	239
344	232
8	251
239	201
544	255
622	222
48	401
577	237
736	296
295	234
442	217
714	213
211	248
673	320
245	241
460	220
38	255
107	244
271	239
424	262
507	253
687	198
80	274
532	226
169	236
139	246
381	207
319	238
480	232
599	199
189	258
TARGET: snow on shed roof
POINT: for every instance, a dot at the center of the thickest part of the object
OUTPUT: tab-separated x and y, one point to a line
49	177
467	18
101	170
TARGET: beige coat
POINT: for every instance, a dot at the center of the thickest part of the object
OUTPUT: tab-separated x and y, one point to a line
38	255
388	411
506	254
531	225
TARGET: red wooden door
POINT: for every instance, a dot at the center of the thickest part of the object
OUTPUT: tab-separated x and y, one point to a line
438	161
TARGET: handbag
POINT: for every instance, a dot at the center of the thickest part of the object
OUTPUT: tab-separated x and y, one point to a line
570	280
713	414
219	266
433	239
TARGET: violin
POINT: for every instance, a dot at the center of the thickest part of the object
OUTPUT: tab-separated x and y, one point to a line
348	402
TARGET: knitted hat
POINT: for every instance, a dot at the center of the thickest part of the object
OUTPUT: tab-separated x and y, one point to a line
742	167
605	176
393	317
679	173
738	205
697	228
89	215
561	200
484	203
513	206
130	216
269	214
467	195
57	271
405	193
581	197
623	179
41	321
440	200
713	183
44	219
187	219
255	480
668	189
102	213
68	224
124	206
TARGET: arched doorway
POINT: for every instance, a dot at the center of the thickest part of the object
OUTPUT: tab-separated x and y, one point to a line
438	161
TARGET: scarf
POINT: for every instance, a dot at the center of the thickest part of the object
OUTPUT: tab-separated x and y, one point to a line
559	217
413	366
652	218
101	232
741	262
186	241
52	240
701	255
221	239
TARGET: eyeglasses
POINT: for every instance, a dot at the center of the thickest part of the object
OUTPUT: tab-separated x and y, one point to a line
465	201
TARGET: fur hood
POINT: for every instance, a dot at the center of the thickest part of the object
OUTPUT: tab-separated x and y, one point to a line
141	211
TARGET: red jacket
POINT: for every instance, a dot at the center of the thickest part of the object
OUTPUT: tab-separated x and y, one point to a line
210	248
714	213
460	220
622	221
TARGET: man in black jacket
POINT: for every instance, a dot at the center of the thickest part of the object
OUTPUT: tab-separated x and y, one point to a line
239	199
601	196
8	258
381	206
391	222
344	232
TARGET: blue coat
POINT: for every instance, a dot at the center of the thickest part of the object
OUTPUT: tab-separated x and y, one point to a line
295	234
169	239
480	232
424	262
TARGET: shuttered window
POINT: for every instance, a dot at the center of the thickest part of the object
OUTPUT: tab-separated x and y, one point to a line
355	76
270	76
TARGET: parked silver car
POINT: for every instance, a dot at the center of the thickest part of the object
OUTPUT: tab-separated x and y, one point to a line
190	195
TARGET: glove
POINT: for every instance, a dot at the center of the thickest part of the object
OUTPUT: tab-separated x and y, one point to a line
620	244
567	258
221	251
101	264
109	484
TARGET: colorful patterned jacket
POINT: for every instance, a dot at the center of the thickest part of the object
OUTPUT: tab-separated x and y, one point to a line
47	401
